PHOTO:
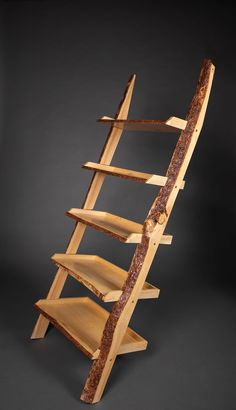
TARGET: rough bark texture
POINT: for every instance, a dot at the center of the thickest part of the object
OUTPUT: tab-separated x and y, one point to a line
80	279
157	211
98	364
64	331
156	215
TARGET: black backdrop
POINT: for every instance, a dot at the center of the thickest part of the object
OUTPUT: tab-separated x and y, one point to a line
63	65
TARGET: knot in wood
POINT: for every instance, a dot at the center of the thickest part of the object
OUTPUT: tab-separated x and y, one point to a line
149	226
161	217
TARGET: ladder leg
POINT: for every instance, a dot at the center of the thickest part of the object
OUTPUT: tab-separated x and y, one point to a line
103	377
91	197
101	368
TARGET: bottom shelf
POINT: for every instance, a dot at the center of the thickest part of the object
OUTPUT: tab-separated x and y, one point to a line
82	321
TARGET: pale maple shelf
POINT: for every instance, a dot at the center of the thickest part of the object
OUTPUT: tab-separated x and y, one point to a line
143	177
172	124
102	277
101	334
82	321
119	228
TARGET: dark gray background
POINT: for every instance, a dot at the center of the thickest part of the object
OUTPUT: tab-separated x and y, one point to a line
65	64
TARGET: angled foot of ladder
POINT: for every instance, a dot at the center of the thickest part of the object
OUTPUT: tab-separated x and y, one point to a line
96	332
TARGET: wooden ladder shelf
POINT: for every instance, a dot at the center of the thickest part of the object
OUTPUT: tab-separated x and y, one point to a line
100	334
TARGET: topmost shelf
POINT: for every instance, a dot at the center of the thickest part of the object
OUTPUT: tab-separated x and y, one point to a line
173	124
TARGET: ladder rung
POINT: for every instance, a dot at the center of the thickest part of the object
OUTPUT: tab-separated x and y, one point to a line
172	124
100	276
128	174
82	321
119	228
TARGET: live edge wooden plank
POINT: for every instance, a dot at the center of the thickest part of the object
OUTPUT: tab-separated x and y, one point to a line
172	124
102	277
144	177
119	228
153	230
82	321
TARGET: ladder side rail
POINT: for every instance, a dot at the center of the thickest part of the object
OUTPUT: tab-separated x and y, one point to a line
106	156
153	230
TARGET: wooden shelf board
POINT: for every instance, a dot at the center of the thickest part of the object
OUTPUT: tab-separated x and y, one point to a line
119	228
143	177
172	124
100	276
82	321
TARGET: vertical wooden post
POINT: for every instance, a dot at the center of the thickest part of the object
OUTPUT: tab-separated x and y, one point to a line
153	230
91	197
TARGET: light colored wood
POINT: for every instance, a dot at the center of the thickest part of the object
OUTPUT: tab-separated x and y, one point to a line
119	228
82	321
111	143
172	124
41	325
126	173
111	332
144	177
94	388
125	316
176	122
115	226
166	239
100	276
